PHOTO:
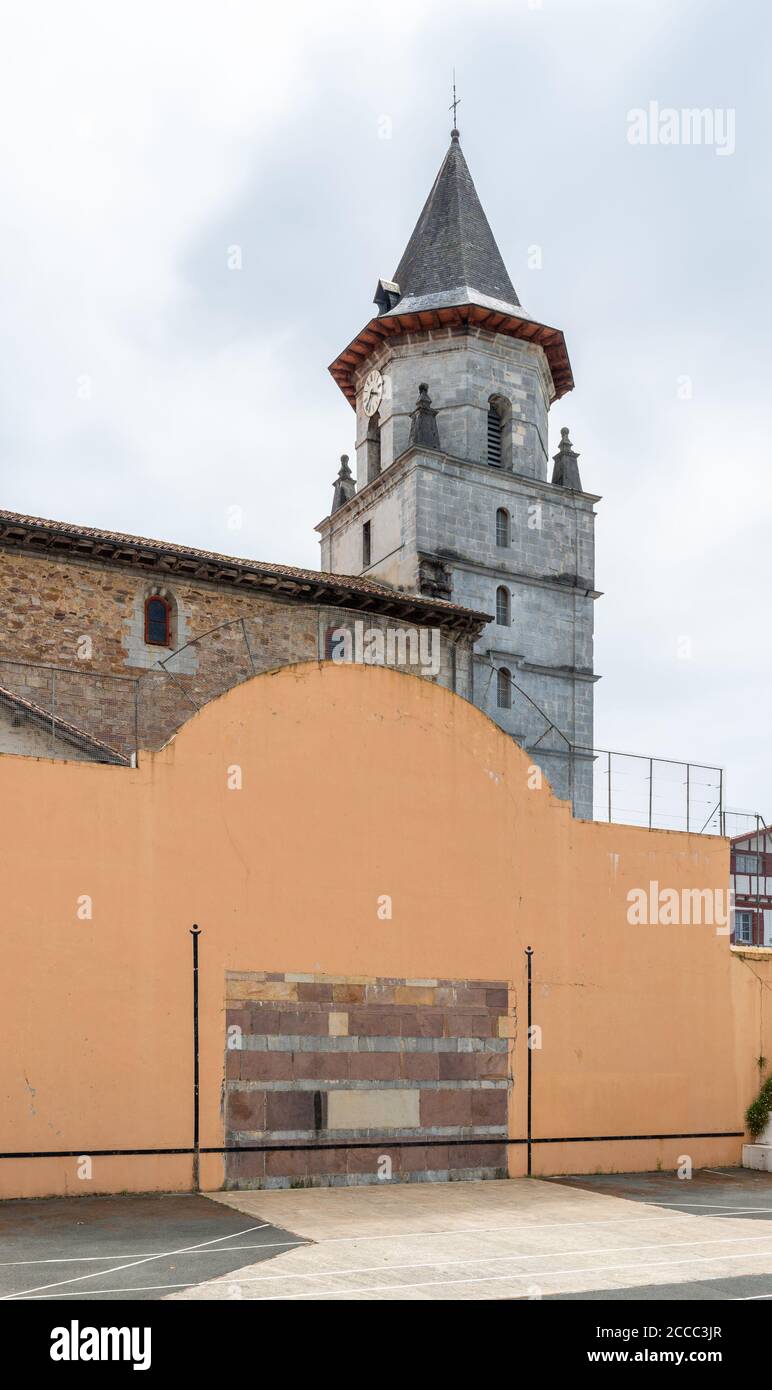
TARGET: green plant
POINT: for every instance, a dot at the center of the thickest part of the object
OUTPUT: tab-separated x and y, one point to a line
759	1110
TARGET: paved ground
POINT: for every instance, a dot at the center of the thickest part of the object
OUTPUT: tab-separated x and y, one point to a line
634	1236
712	1191
520	1239
114	1248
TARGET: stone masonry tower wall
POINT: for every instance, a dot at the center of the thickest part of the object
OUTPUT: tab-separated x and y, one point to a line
463	370
464	502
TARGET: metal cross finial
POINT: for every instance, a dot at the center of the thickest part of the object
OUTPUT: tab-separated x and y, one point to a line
455	103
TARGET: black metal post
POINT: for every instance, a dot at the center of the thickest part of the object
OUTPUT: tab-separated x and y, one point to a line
529	955
195	933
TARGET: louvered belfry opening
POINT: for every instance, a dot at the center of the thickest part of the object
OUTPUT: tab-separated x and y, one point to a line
494	436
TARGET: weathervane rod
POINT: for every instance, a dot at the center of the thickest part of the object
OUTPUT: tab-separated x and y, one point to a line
455	103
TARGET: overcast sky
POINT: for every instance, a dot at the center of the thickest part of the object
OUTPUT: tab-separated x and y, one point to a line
146	386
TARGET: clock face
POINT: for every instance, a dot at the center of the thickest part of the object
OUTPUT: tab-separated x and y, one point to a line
372	394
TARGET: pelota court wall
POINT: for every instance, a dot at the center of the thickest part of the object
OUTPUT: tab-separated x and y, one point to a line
359	787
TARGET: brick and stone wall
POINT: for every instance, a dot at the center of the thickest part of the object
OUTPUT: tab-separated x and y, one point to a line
318	1059
84	621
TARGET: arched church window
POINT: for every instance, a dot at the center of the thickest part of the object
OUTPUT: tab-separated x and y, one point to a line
502	527
494	434
502	606
158	624
503	688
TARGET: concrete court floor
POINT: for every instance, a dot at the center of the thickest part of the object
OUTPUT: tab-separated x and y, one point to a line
630	1236
627	1236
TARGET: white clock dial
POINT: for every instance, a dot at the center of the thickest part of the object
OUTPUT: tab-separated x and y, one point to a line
372	394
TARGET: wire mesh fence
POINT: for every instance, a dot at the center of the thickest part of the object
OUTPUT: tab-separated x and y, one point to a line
55	712
608	785
659	793
749	824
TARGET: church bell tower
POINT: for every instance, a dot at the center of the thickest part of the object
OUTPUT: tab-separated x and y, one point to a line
456	496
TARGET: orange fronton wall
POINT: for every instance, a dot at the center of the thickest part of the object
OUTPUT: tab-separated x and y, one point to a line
356	783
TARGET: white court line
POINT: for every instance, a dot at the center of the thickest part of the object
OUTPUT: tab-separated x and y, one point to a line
433	1264
410	1235
152	1255
499	1278
718	1206
186	1250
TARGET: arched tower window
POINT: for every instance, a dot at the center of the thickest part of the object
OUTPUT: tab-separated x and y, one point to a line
373	447
502	527
494	434
503	688
158	621
502	606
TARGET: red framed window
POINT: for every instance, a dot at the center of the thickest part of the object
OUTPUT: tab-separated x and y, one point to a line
158	626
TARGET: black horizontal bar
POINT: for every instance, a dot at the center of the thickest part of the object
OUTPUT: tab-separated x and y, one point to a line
384	1143
630	1138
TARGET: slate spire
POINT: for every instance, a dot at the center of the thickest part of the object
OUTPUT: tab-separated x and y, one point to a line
452	246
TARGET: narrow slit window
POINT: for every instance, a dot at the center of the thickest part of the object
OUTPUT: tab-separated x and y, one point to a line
373	453
502	528
502	607
158	621
503	688
366	545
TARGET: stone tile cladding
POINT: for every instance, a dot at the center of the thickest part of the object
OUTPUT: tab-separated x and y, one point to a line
322	1059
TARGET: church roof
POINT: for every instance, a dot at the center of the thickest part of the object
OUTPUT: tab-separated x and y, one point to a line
452	249
36	535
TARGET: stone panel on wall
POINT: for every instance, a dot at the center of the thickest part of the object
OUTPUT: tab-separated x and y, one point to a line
314	1061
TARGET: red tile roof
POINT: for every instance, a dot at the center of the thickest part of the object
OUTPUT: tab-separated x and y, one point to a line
34	532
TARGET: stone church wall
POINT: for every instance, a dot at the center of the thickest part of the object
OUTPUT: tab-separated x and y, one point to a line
73	642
